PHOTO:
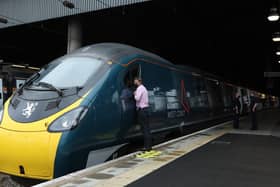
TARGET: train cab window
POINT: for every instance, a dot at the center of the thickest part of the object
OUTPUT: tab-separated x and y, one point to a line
60	72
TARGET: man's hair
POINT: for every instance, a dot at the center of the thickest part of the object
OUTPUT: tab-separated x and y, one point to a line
138	78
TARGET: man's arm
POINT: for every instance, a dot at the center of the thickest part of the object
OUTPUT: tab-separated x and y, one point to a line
254	107
137	94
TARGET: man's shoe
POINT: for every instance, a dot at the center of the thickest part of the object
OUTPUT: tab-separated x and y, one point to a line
146	149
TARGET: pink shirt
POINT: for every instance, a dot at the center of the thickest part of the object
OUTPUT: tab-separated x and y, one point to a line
141	97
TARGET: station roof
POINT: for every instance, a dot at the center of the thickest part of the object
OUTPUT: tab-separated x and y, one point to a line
17	12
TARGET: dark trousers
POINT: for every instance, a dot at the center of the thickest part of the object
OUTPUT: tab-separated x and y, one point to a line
236	121
143	119
254	121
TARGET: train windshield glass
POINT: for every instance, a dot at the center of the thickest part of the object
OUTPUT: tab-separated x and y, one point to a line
70	72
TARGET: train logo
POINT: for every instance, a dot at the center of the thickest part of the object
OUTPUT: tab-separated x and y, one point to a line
30	108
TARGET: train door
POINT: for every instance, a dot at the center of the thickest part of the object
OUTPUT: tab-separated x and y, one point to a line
228	97
215	96
197	96
1	93
178	106
128	105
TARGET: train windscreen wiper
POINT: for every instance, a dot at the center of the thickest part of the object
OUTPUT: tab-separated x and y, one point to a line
51	87
28	82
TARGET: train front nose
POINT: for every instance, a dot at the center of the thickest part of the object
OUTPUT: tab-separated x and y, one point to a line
28	154
28	147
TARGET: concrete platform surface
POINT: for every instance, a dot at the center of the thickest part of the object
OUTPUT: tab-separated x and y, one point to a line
231	160
218	156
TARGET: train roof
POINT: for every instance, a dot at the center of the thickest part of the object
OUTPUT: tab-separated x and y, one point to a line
115	51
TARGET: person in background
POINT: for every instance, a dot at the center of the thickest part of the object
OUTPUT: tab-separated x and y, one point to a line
142	105
253	110
127	97
236	109
128	109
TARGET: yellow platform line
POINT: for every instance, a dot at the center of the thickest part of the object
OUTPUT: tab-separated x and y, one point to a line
148	154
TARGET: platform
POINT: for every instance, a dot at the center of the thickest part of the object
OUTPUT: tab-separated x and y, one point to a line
218	156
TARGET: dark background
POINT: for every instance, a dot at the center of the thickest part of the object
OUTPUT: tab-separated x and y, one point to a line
231	39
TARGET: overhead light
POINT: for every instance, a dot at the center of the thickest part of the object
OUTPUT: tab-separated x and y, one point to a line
18	66
276	37
279	61
33	68
273	15
3	20
278	53
68	4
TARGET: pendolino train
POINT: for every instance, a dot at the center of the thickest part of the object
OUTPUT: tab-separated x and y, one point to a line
74	112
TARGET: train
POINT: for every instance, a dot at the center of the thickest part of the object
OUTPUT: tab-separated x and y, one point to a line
73	113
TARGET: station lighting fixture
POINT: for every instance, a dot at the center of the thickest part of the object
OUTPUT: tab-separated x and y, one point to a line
18	66
278	53
33	68
3	20
273	15
25	66
68	4
276	37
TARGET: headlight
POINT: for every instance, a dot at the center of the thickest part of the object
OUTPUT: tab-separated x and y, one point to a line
68	121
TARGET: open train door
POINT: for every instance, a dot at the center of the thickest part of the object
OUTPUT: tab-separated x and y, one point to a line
128	106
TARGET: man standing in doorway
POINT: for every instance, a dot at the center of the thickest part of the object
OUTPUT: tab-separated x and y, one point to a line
253	110
142	104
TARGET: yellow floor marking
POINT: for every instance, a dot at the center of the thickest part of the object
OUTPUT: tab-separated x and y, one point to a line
149	154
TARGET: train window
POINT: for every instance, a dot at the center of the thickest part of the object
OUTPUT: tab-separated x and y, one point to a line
156	78
60	74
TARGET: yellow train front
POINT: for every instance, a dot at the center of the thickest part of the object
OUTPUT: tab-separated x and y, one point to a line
29	149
